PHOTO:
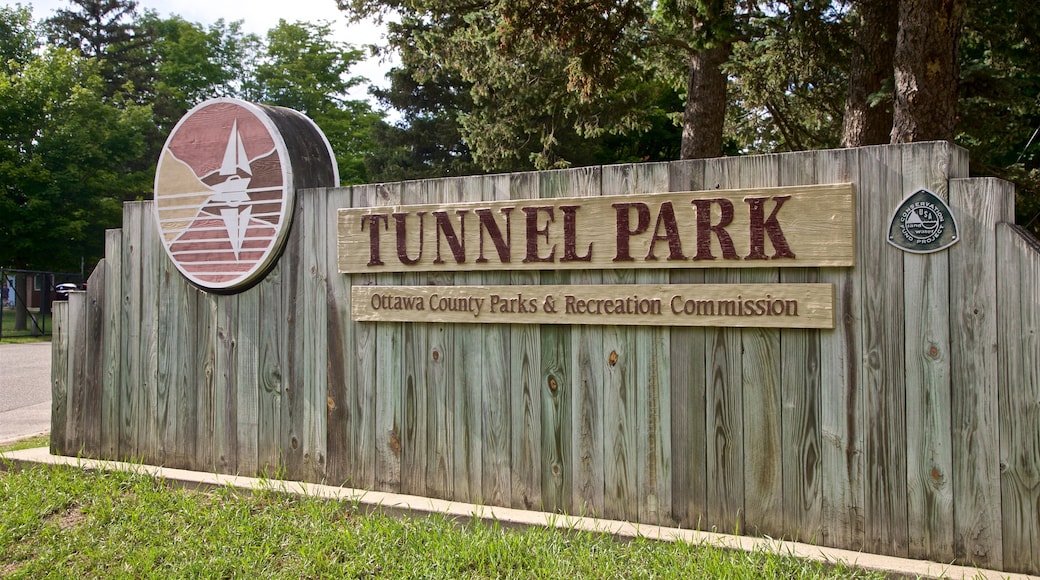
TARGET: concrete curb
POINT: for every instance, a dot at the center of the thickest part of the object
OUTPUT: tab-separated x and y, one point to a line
414	505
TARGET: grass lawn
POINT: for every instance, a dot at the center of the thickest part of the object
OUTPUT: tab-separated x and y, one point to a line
9	335
64	522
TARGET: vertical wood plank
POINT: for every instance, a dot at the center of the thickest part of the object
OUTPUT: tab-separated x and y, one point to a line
177	368
587	377
414	395
389	350
272	373
60	345
687	380
880	267
76	361
724	423
496	415
363	407
225	380
130	407
621	386
654	445
557	390
151	264
469	359
1018	300
247	386
979	205
926	287
761	379
112	344
841	388
94	360
205	350
314	323
525	385
342	379
800	394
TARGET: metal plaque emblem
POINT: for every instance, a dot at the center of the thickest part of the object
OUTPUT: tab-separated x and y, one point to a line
922	224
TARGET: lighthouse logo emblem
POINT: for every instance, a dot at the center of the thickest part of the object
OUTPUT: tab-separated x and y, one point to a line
224	192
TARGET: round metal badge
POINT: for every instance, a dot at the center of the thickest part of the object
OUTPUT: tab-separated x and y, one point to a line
225	188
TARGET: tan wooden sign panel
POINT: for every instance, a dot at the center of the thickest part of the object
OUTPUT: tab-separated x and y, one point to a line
804	226
732	305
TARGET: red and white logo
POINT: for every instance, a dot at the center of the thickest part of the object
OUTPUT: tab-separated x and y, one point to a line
224	194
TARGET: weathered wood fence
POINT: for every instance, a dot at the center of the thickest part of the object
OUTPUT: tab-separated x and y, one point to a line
912	428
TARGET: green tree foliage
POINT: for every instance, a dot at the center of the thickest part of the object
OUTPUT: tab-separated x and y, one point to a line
304	69
107	31
63	147
521	97
999	106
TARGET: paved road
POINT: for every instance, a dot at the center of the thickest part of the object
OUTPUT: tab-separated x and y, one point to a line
25	390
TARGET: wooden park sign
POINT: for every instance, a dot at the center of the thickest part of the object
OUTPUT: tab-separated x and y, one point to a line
729	305
806	226
225	188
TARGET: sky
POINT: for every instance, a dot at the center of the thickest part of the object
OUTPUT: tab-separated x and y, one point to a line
259	16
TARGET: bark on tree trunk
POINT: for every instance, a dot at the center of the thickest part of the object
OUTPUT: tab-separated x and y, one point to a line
871	66
926	70
705	111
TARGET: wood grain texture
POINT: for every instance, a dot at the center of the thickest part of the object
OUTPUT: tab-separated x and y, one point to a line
587	445
414	387
814	221
313	313
496	405
247	385
979	205
1018	297
389	339
724	424
151	257
800	379
112	354
131	406
225	378
272	373
60	349
653	404
647	305
93	363
470	359
926	286
443	366
363	406
621	387
524	394
205	379
761	384
881	270
342	376
556	386
841	388
75	427
687	385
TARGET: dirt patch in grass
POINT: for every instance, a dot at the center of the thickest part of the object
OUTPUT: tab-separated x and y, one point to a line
67	519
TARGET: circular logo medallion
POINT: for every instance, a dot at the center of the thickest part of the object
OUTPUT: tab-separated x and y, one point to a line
223	194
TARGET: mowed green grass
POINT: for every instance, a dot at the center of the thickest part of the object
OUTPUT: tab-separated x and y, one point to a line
73	523
9	335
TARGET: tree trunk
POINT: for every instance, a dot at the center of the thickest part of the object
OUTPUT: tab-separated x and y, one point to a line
926	70
871	66
705	112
